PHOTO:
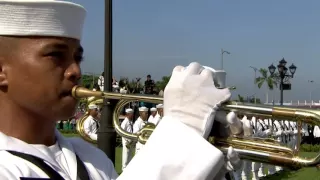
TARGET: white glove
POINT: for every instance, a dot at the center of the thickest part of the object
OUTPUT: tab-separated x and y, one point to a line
230	121
295	132
233	163
192	97
247	128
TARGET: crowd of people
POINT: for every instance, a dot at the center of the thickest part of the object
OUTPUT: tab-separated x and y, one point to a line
130	124
283	132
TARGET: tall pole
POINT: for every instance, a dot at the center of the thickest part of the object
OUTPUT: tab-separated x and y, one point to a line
222	59
254	82
310	98
281	91
222	52
106	133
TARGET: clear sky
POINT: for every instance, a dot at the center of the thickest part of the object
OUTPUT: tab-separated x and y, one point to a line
151	37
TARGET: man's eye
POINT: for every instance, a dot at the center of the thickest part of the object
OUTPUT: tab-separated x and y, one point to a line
56	54
78	58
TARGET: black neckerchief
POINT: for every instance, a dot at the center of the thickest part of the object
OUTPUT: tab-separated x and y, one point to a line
82	172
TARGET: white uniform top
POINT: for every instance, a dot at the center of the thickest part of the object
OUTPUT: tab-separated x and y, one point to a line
154	119
199	159
126	125
137	126
91	127
277	130
101	83
304	129
316	132
294	126
288	127
260	129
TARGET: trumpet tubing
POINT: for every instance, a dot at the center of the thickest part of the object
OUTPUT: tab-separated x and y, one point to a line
255	149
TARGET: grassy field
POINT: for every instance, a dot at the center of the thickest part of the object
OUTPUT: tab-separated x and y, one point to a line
302	174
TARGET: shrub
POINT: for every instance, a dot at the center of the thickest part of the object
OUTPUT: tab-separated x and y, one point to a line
310	148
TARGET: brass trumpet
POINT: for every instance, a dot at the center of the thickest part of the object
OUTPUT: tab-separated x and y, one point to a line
254	149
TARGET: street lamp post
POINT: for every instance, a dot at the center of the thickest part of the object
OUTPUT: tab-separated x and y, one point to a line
106	132
222	52
283	73
311	82
255	79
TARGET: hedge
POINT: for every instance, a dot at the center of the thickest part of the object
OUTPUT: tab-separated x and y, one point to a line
310	148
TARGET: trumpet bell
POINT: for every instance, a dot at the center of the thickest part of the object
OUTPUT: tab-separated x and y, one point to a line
254	149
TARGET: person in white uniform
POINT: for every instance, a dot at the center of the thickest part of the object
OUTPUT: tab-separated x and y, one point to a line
293	144
279	137
316	134
91	124
245	172
270	124
139	124
127	144
101	82
261	131
159	113
40	55
153	113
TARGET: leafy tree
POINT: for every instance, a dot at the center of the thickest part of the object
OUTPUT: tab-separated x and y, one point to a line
88	81
240	98
160	85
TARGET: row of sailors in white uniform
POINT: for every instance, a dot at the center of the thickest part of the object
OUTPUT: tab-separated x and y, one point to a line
128	125
284	132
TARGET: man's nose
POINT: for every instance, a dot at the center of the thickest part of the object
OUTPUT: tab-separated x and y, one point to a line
73	72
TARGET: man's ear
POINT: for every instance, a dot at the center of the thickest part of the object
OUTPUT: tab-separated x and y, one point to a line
3	73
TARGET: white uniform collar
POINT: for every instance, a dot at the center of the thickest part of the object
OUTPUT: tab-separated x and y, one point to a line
14	144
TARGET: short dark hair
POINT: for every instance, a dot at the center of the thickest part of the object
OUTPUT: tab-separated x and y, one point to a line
149	76
102	74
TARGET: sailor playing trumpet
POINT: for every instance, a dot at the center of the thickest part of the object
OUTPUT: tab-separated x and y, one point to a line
140	123
91	124
127	144
152	117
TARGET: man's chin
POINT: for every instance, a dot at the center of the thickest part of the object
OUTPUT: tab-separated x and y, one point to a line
67	112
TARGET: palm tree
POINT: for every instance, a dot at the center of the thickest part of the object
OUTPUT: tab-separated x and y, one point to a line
271	81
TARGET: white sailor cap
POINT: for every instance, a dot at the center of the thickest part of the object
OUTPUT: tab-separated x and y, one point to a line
153	109
159	106
93	106
41	18
129	110
143	109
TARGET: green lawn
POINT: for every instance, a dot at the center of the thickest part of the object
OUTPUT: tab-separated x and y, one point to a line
311	173
302	174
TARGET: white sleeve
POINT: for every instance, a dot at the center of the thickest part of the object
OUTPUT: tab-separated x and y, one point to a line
86	126
181	154
124	124
135	127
